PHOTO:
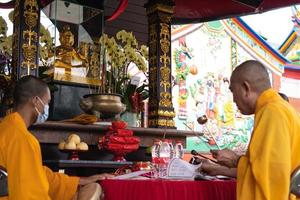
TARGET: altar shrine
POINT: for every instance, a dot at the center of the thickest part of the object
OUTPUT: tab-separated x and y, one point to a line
106	62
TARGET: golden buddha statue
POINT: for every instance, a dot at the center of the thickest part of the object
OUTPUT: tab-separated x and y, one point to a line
66	55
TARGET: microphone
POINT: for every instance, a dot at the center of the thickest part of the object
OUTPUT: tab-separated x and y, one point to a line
195	153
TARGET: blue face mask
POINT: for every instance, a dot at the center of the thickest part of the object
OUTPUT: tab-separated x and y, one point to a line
42	117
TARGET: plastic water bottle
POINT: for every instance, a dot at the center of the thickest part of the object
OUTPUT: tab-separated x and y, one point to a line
155	151
164	157
178	150
172	153
155	157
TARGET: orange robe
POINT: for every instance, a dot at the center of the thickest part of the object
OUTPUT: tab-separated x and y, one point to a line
20	154
264	172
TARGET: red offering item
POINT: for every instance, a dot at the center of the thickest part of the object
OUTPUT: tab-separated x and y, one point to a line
119	140
114	146
118	125
123	140
124	132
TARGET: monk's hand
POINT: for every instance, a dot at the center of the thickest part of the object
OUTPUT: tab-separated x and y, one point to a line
94	178
209	168
226	157
195	160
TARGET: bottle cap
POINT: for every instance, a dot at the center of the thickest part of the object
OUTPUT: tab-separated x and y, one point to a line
157	140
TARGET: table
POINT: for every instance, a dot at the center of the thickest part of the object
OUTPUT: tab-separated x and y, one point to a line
62	164
85	167
168	190
53	132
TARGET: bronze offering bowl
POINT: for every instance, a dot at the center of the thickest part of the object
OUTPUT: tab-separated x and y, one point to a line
105	105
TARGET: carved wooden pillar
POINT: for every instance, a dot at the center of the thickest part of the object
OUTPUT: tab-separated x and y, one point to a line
161	111
25	38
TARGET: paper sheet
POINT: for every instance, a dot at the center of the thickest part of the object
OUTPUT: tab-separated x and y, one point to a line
131	175
181	169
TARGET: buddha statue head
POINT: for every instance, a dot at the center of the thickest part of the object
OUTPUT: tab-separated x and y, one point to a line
66	37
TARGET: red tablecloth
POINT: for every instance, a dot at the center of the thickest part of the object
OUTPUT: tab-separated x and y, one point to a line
168	189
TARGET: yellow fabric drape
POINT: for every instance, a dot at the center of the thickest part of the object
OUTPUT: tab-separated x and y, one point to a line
264	172
20	154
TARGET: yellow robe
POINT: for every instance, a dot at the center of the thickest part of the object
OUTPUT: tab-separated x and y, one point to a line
20	154
264	172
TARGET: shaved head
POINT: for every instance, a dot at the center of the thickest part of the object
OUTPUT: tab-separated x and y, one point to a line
247	82
254	73
28	87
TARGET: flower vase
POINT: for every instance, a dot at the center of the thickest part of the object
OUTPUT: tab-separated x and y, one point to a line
131	118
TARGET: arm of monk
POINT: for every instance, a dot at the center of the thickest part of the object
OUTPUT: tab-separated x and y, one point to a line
270	154
61	186
26	179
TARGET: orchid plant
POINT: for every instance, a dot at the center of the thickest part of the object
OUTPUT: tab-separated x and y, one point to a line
121	52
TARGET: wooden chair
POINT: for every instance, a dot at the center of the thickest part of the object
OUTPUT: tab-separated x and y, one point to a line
295	182
3	182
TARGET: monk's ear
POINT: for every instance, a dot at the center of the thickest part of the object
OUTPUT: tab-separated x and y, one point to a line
34	100
247	88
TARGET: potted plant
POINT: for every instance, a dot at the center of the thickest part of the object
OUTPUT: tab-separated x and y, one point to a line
122	53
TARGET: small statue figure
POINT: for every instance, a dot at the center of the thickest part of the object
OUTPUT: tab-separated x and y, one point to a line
94	62
66	55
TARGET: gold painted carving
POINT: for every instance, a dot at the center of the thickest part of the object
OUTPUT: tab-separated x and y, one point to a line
165	70
166	123
29	35
165	75
153	67
161	112
160	7
95	63
152	122
31	13
153	37
16	10
162	123
153	113
166	113
165	18
165	99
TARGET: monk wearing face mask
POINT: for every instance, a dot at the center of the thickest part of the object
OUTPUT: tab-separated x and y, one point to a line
20	153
